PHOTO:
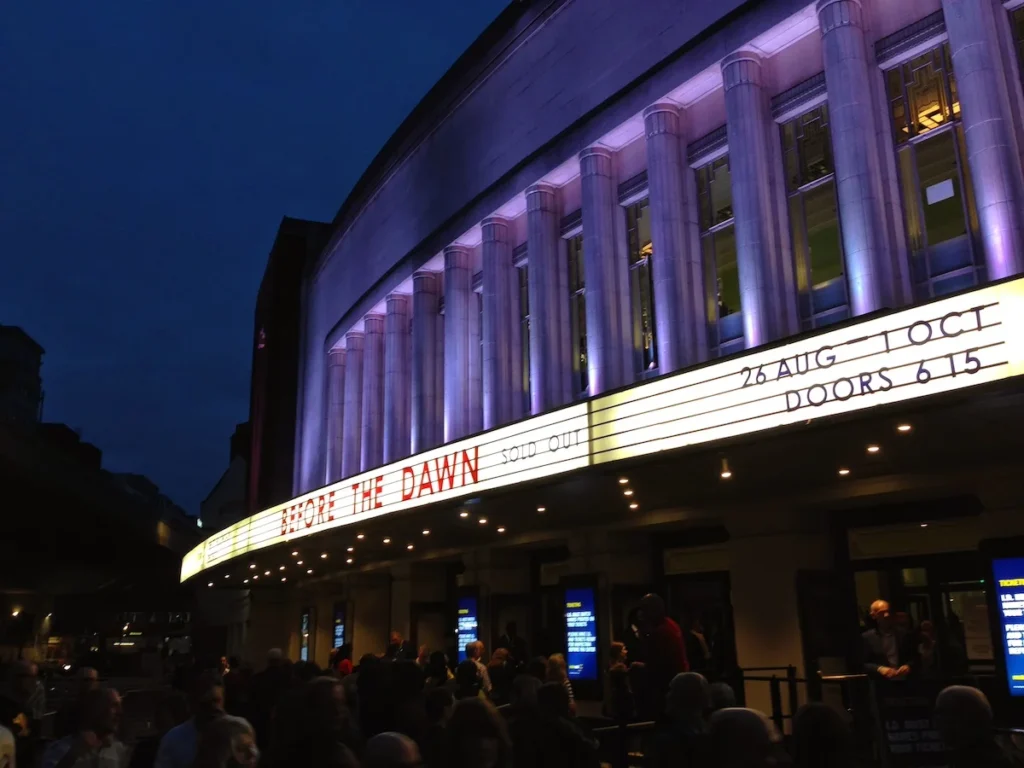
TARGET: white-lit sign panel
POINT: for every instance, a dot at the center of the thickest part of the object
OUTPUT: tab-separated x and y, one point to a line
539	447
946	345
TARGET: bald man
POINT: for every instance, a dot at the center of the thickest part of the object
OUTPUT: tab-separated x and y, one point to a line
391	750
743	738
887	651
963	717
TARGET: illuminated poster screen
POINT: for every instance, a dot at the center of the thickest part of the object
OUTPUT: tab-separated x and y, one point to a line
466	627
1009	578
304	637
581	633
339	625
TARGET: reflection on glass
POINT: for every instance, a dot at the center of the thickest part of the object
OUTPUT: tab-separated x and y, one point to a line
807	146
922	94
524	327
823	242
714	189
638	226
578	313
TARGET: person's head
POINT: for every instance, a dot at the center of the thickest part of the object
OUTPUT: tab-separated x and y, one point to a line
524	691
171	710
275	658
101	713
207	697
963	717
423	654
438	703
743	738
474	650
223	664
477	737
881	615
652	610
467	678
88	679
499	658
391	750
556	672
511	630
721	696
227	742
345	652
821	738
687	696
437	666
553	700
618	654
396	639
538	667
368	660
325	702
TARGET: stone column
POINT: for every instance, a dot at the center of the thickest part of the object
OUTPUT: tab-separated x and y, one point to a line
992	151
500	395
475	415
350	447
425	351
550	369
335	412
676	264
757	257
458	303
858	173
608	331
372	444
397	393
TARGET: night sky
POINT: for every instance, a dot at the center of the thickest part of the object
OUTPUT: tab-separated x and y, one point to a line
148	150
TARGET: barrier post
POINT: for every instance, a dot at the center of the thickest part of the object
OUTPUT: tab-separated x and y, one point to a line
775	690
794	693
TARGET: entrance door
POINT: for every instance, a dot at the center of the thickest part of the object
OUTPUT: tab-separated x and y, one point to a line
700	603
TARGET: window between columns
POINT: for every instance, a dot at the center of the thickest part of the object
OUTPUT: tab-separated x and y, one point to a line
523	272
578	315
718	255
641	289
935	183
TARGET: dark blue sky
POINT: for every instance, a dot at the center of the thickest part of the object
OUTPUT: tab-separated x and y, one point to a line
148	149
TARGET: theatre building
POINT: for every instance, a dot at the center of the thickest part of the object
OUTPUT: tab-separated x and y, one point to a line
720	300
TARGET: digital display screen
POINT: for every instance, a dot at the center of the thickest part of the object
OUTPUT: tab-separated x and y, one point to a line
304	637
581	633
1009	578
466	627
339	626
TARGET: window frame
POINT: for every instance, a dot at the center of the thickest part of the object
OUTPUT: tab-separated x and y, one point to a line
638	271
577	303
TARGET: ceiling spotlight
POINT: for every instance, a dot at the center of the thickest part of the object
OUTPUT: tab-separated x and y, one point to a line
298	562
904	428
245	581
628	492
266	573
482	521
252	566
281	568
426	531
210	584
843	472
351	549
501	529
360	536
873	449
726	473
409	547
295	554
349	561
634	505
387	540
463	514
284	578
226	575
924	525
255	577
623	480
542	509
323	555
309	571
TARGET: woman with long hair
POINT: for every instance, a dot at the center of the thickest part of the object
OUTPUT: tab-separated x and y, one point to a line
558	673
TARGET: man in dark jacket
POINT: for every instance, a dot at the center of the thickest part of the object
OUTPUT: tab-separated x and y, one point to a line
887	652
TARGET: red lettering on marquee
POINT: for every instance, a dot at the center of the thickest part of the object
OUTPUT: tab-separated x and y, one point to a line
330	505
321	502
284	521
425	480
308	520
377	490
473	466
446	470
408	490
355	498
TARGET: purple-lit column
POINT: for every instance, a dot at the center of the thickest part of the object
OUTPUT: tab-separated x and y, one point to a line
397	393
475	415
550	367
458	303
992	151
608	333
676	263
352	430
858	168
372	444
746	121
335	412
426	350
499	392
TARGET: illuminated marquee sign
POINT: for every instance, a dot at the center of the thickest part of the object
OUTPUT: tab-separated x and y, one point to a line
945	345
962	341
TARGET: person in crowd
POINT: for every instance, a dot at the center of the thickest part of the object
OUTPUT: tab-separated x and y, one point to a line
633	637
963	717
642	700
423	658
499	672
468	684
223	666
477	737
7	754
666	652
317	729
396	646
94	743
268	687
376	702
698	653
558	673
179	745
171	711
720	696
391	750
407	700
228	742
438	705
548	737
821	738
438	672
887	651
343	661
475	653
618	655
538	667
681	741
743	738
515	645
522	698
68	716
619	704
19	710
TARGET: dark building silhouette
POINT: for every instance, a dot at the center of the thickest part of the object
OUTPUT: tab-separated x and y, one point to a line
21	384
